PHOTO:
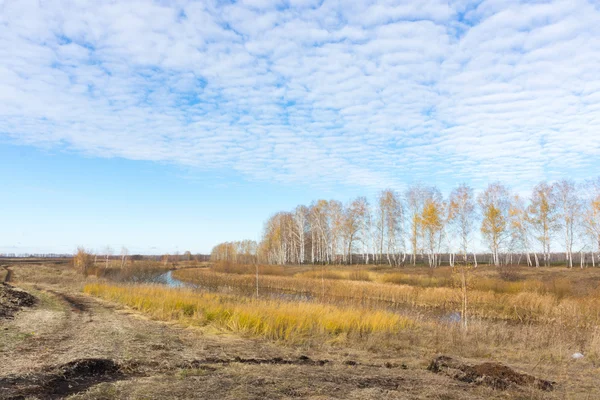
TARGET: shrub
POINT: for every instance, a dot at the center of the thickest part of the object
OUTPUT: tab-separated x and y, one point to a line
83	260
509	274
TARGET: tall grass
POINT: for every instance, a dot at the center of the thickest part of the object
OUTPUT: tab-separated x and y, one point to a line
241	269
504	280
295	322
400	278
352	275
520	306
560	287
379	331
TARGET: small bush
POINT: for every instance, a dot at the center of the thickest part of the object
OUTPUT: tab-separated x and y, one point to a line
509	274
83	261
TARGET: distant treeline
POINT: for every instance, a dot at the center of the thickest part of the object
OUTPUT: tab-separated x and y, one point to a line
35	255
421	226
136	257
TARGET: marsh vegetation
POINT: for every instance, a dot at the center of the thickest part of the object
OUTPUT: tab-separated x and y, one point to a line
372	329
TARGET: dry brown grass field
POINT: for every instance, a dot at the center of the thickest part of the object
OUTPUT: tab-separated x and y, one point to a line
319	332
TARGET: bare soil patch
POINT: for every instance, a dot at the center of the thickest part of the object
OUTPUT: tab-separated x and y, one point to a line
490	374
301	360
62	380
12	300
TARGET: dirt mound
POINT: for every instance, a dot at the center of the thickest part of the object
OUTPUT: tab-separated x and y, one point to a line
491	374
12	300
60	381
88	367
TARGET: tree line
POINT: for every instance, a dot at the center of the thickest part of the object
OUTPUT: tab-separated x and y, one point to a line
421	225
84	259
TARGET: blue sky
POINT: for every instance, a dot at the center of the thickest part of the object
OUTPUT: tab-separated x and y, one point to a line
173	125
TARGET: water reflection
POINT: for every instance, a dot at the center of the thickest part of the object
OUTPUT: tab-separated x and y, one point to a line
168	279
159	277
453	317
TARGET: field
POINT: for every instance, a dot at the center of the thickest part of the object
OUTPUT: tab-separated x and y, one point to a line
311	332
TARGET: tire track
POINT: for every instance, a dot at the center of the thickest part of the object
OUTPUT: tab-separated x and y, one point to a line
8	275
76	305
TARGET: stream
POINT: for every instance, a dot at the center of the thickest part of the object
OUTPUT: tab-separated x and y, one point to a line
167	279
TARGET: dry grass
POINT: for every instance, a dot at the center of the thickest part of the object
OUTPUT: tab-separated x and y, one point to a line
323	274
425	281
504	281
242	269
55	333
508	279
294	322
359	275
517	305
337	274
357	327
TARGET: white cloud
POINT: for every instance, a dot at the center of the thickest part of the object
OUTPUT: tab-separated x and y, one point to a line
367	94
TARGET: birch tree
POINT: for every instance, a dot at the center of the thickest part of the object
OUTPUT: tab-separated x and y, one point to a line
301	220
415	198
320	231
244	252
542	216
366	236
432	223
124	254
331	232
354	217
461	214
107	253
274	246
494	204
390	223
380	226
519	228
336	225
569	211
